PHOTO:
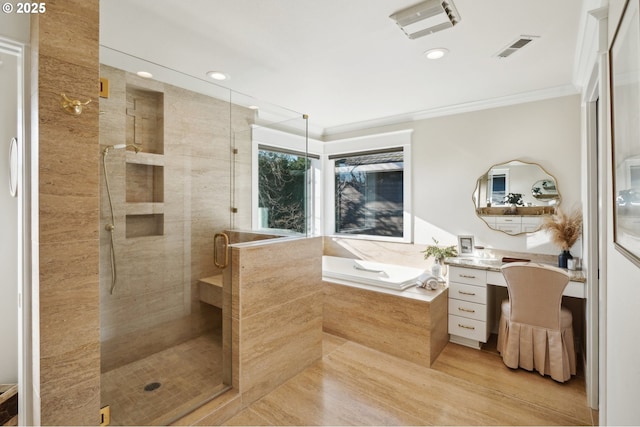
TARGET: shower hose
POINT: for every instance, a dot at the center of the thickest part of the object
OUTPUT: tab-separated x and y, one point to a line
110	226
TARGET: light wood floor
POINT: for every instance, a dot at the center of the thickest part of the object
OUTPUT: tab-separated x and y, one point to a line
355	385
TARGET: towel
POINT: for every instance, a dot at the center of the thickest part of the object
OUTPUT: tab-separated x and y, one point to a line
427	281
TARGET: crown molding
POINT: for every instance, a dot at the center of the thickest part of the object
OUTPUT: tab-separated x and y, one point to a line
521	98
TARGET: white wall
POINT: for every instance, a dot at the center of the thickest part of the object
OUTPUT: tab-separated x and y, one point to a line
622	289
15	26
450	153
8	225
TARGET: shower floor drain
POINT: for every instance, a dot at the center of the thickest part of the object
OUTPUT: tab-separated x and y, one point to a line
152	386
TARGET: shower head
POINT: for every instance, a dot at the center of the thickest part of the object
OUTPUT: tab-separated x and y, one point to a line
121	146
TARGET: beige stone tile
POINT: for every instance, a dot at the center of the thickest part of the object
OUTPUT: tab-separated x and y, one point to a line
385	252
74	402
247	417
265	279
138	312
189	374
68	297
278	343
214	412
123	348
330	343
393	324
439	324
75	21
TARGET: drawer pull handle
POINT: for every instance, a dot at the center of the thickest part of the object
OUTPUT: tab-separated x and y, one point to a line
466	310
467	293
466	276
466	327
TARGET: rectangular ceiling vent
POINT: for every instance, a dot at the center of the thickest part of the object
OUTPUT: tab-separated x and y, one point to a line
515	46
427	17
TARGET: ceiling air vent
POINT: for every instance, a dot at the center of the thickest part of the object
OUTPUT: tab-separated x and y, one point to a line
427	17
515	46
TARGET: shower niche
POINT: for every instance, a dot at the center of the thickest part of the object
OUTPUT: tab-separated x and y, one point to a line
145	165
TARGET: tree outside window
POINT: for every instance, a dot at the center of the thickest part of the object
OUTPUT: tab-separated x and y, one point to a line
369	194
281	190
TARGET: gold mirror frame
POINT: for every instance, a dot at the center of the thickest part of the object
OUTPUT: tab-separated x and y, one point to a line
525	217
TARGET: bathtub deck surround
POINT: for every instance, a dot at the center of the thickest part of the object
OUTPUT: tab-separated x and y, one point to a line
410	324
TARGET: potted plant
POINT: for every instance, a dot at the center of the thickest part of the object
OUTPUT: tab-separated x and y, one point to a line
439	253
513	200
564	230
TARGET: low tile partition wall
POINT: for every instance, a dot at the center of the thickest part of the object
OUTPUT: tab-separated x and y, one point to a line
277	312
408	328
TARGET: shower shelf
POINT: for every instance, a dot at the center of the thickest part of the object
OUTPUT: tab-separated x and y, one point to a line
144	208
143	158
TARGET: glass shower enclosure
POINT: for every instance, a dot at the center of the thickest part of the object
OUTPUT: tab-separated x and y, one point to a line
179	175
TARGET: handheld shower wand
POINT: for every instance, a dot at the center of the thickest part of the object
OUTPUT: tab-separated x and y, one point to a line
110	227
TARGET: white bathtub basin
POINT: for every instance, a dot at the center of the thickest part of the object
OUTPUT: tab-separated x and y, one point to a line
387	276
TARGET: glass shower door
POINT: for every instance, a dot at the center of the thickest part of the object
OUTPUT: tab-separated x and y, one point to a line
165	152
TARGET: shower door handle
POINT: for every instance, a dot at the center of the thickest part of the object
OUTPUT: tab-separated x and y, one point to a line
13	167
225	245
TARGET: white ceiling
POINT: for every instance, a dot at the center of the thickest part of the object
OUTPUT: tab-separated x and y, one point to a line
345	62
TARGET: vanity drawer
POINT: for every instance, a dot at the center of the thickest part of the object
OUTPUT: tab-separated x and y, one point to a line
468	328
510	225
469	276
471	293
470	310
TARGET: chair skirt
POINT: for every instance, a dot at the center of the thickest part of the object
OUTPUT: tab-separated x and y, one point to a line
548	351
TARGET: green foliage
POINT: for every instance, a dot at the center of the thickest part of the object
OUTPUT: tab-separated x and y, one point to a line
439	252
281	182
514	199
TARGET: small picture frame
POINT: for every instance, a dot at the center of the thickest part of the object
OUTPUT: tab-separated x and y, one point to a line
465	246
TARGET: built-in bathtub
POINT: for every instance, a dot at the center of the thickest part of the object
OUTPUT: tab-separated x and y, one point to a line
359	272
389	314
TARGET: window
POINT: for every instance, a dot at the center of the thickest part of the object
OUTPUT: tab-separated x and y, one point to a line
498	186
369	193
281	190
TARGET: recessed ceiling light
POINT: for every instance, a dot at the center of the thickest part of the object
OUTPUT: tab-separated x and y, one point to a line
253	107
436	53
217	75
145	74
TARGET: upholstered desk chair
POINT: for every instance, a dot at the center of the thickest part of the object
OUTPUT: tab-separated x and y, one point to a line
535	331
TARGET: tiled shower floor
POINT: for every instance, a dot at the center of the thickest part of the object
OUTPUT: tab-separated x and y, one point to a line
189	374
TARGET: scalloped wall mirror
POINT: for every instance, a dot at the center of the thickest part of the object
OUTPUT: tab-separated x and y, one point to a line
514	197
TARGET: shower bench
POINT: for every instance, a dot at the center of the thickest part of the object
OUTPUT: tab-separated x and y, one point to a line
210	289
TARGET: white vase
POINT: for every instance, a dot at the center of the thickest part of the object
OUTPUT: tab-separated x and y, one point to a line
436	269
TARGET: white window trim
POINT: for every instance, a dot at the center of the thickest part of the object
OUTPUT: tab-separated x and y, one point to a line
286	141
368	143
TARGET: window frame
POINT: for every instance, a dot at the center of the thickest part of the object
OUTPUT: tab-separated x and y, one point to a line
498	173
283	142
372	143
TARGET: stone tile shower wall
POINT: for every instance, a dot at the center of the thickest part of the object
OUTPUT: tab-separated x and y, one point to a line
66	344
169	201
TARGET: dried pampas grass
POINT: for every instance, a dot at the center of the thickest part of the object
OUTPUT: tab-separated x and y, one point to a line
564	228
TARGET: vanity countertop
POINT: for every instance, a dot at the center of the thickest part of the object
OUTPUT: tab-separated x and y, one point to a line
492	264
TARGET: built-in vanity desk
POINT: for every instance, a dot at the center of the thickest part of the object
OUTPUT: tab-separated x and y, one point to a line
472	283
